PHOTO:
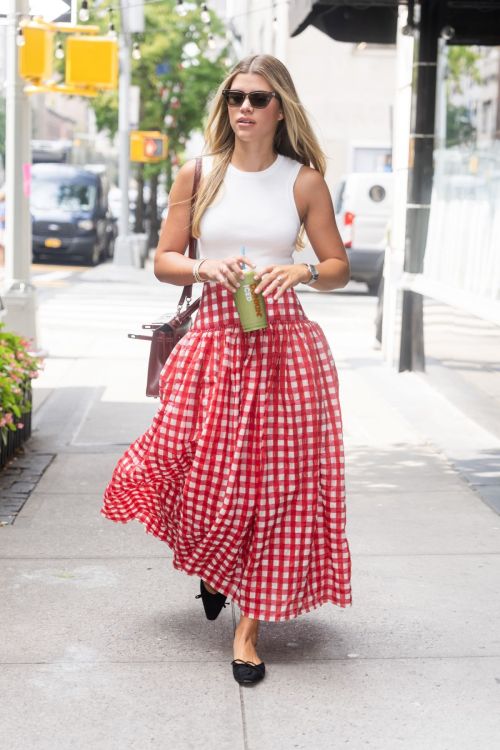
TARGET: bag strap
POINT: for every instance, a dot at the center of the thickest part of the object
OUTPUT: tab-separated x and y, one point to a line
193	242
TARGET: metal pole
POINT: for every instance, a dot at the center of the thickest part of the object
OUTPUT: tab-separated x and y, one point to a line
123	248
123	128
19	297
412	356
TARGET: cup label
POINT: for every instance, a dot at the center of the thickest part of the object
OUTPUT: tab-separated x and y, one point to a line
256	300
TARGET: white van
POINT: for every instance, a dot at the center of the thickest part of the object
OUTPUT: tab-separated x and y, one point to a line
363	207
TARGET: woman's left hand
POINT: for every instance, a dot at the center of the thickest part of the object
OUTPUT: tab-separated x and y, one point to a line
280	278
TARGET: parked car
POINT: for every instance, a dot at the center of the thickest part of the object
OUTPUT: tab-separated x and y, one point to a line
70	214
363	207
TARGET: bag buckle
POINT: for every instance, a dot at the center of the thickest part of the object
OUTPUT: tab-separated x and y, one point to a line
188	302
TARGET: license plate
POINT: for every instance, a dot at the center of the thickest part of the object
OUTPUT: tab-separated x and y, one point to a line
53	242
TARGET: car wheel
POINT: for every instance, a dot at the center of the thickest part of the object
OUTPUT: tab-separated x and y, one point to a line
94	255
373	287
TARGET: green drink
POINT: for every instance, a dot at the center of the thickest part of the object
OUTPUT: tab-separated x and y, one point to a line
251	307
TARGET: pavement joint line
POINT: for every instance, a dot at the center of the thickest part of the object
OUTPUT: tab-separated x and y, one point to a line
86	557
94	397
305	660
161	557
240	690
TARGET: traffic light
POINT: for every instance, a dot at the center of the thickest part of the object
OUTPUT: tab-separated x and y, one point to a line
35	56
148	146
92	61
153	147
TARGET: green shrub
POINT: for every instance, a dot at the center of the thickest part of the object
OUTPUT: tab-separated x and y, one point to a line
18	366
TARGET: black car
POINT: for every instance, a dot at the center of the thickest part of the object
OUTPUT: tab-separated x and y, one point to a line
70	214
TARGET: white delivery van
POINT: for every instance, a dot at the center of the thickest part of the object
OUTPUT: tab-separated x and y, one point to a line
363	208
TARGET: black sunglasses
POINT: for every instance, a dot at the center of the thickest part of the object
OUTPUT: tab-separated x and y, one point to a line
257	99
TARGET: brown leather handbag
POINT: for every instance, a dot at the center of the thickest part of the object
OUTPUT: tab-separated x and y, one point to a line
166	335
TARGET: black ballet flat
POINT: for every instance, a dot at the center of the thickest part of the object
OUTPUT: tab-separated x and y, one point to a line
248	673
212	603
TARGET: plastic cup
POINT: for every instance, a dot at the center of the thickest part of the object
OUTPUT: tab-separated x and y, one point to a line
251	307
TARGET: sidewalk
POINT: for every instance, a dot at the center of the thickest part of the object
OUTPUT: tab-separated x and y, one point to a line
104	646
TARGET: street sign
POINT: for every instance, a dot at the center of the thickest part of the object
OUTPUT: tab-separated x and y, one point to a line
163	69
134	106
49	10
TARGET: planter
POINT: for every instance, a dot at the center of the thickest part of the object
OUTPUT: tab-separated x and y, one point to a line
15	439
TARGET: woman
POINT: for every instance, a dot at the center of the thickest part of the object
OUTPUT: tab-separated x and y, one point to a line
242	470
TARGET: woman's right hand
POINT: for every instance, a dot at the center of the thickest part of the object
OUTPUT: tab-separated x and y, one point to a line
227	271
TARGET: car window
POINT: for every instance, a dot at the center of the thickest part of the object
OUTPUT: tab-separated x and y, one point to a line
49	195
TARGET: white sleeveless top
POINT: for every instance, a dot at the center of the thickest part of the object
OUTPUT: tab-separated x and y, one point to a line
256	210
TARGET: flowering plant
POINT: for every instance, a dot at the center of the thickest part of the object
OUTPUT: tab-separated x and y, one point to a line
17	368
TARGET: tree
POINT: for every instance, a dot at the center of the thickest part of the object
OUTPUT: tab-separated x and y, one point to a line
176	75
462	73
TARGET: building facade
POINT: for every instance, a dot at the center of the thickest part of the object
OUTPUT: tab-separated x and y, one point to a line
347	89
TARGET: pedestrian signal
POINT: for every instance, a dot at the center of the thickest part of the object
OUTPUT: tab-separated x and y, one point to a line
153	147
148	146
35	56
92	61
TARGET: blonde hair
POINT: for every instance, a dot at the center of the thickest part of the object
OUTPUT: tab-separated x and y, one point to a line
294	136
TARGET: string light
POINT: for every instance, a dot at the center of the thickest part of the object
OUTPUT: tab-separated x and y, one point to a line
20	38
136	51
205	14
84	14
59	51
111	27
142	3
181	8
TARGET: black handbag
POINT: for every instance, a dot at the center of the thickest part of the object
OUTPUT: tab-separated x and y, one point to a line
166	335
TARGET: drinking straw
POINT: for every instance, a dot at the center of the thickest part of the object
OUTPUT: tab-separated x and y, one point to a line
243	252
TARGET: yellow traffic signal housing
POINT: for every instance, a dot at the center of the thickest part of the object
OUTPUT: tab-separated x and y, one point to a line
35	56
148	146
92	61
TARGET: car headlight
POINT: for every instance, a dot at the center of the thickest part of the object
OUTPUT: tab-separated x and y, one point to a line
86	225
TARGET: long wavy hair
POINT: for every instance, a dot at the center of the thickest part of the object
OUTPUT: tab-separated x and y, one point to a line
294	135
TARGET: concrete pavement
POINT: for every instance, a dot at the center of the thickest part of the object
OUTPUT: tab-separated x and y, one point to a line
103	644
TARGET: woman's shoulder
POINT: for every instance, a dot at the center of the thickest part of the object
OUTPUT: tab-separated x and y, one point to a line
310	178
189	167
306	175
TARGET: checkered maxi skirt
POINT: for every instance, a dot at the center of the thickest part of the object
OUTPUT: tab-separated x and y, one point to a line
241	472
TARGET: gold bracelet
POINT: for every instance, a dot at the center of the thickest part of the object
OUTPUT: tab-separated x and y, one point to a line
196	270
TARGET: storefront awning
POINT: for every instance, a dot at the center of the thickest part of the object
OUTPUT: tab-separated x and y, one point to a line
374	21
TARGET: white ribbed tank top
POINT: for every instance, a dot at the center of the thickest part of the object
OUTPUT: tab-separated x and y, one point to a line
256	210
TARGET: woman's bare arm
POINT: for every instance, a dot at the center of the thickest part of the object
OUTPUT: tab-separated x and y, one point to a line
170	263
314	204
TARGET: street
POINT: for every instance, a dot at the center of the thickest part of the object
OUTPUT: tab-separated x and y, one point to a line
103	643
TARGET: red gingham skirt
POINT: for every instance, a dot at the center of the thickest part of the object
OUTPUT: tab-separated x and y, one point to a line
242	470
